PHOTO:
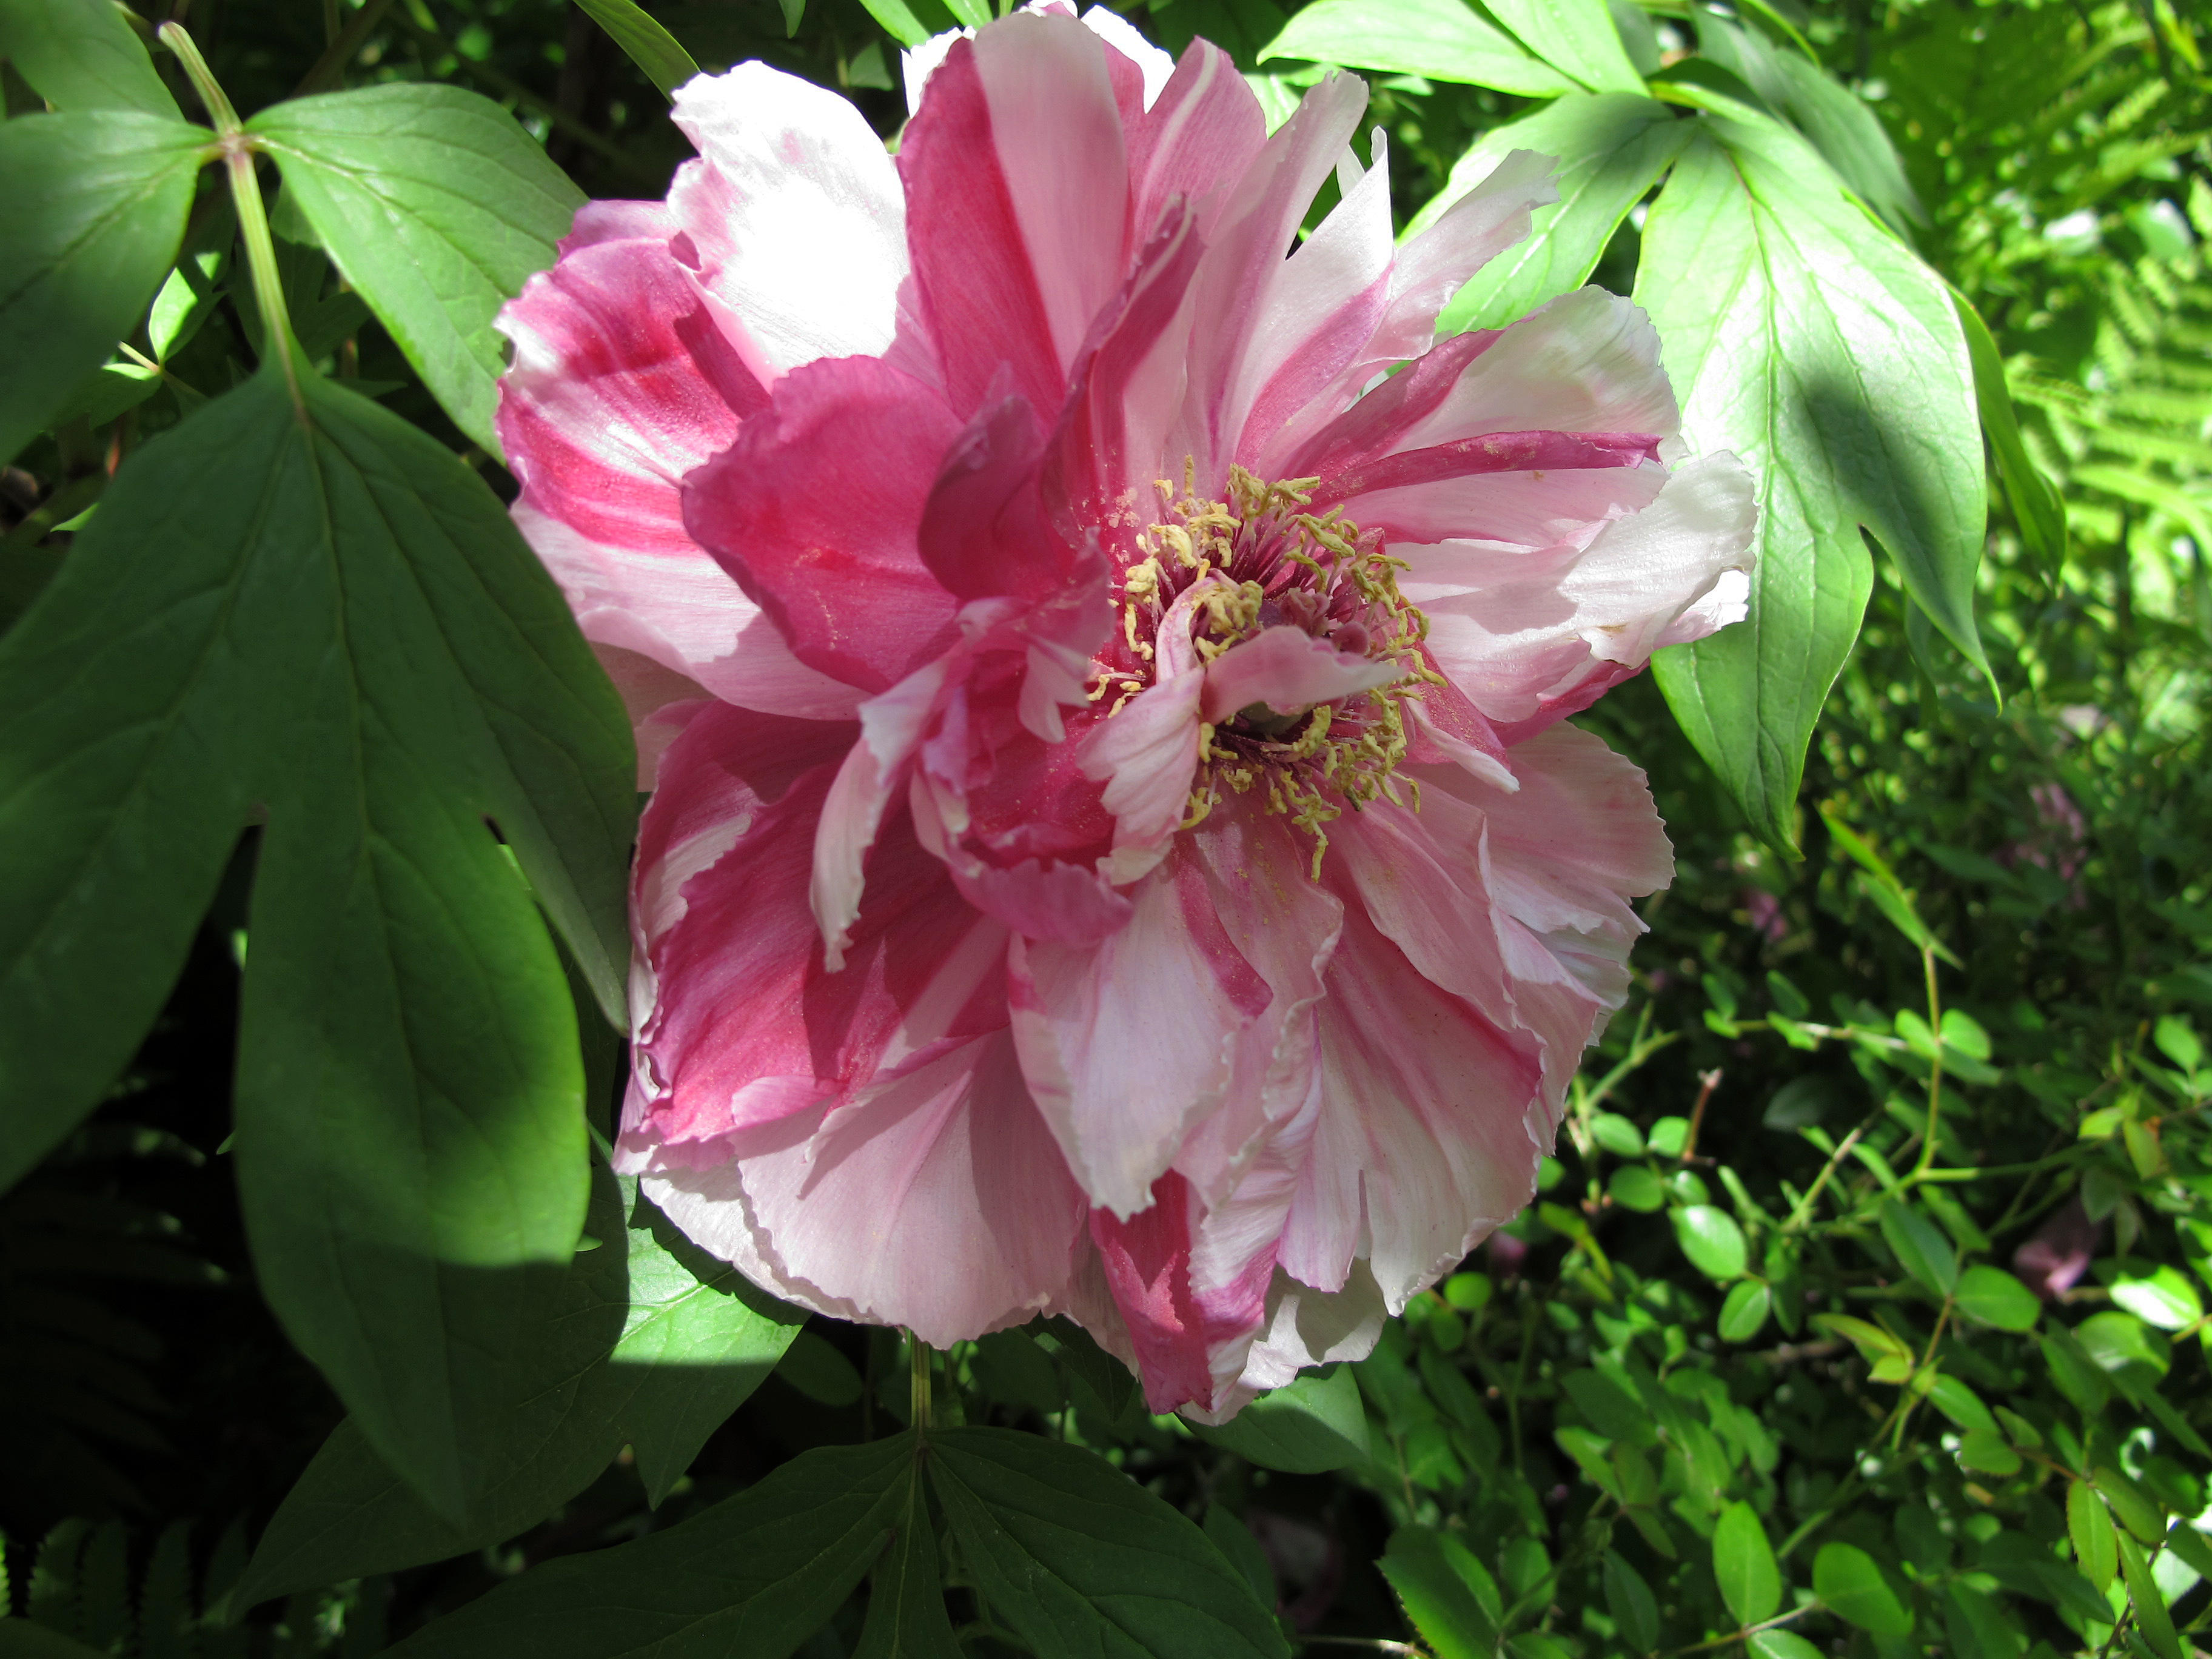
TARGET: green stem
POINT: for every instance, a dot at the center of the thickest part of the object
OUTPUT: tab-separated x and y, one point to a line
918	1355
237	149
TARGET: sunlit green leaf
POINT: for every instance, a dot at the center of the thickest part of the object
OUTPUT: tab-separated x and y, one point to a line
1443	40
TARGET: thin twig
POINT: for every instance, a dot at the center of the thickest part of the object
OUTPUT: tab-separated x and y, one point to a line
1708	1081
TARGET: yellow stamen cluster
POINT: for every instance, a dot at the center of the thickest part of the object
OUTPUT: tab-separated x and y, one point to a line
1329	758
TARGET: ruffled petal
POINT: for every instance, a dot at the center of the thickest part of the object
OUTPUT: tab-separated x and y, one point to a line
1017	182
815	510
1290	671
1427	1133
682	611
1523	633
1129	1041
1147	756
1589	361
792	213
622	382
736	1020
1245	261
934	1199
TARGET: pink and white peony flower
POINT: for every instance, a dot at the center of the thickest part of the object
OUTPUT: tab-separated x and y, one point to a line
1116	848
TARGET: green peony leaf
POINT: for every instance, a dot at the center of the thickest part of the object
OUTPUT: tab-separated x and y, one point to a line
435	206
1443	40
1800	336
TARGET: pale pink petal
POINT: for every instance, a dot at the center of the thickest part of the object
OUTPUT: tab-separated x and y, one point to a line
618	221
1199	135
1245	257
1589	361
1427	1137
1056	138
1322	307
816	508
1290	671
659	701
1520	632
1128	1042
1436	264
1154	66
1538	508
683	612
1147	756
793	212
1304	1327
935	1199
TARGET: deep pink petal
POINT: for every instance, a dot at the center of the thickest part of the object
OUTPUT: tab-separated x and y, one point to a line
933	1201
1016	190
736	1019
1245	256
1199	136
792	213
1174	1328
622	382
815	509
985	531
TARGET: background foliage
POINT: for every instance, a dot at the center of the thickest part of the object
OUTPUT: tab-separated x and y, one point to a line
1864	1307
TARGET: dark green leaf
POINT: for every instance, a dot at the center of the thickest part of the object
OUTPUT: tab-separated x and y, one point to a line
1919	1246
1743	1563
1978	1624
898	21
2152	1616
817	1371
645	1341
1235	1540
906	1593
22	1639
1849	1581
1077	1557
1443	40
644	42
1632	1605
1828	357
95	204
754	1575
1711	1239
2089	1525
314	608
1106	1377
1315	1425
1994	1298
1612	1411
1449	1596
1575	37
435	206
80	54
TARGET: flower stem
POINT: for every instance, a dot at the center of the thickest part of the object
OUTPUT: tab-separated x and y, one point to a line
237	149
918	1353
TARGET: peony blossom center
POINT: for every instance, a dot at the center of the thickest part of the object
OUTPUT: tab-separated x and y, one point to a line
1212	575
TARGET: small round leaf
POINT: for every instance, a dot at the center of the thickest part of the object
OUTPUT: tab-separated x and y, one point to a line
1712	1241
